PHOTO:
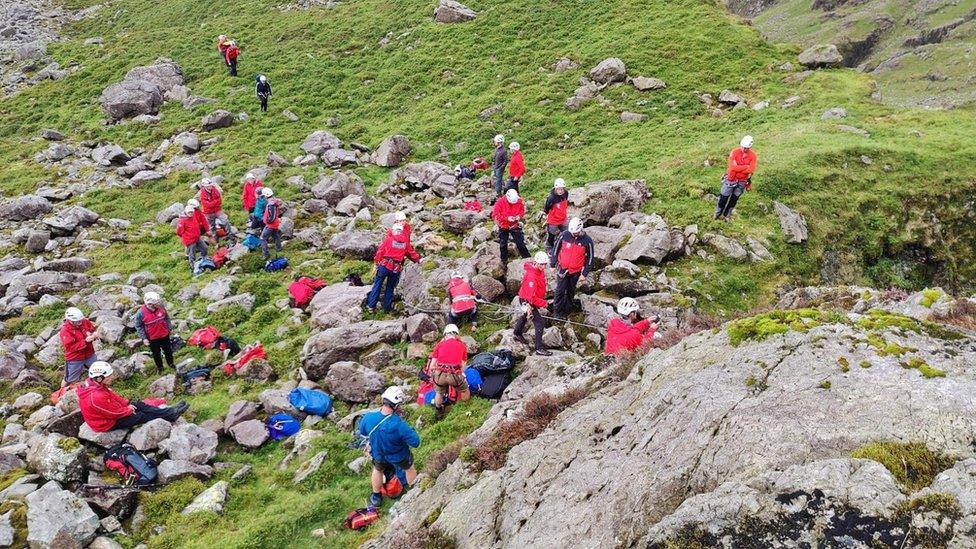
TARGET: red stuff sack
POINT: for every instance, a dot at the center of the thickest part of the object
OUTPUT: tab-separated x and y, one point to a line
361	518
250	353
220	256
204	337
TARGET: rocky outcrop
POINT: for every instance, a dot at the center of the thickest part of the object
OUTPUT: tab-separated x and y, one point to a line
58	518
821	56
324	349
598	202
337	304
449	11
793	224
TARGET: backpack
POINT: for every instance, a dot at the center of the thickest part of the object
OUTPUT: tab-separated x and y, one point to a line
361	518
250	353
392	487
501	360
220	256
310	401
303	290
276	264
252	242
203	264
282	425
196	373
204	337
132	465
176	343
493	384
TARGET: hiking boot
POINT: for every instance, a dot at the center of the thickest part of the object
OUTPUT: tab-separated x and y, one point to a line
717	215
727	219
543	352
375	500
440	412
521	339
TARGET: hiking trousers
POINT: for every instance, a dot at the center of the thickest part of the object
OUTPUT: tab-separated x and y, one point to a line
264	102
552	233
565	292
391	279
499	174
728	197
232	67
144	414
472	315
537	322
518	237
197	247
159	348
266	235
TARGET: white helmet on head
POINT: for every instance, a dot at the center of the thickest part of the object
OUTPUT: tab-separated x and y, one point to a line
193	203
249	177
188	210
458	274
267	192
399	217
541	258
512	196
394	396
397	228
451	329
559	184
206	182
264	78
746	142
151	298
100	368
627	305
499	139
73	314
575	225
514	146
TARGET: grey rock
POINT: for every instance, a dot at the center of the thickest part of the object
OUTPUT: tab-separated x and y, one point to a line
793	225
650	241
309	467
220	118
116	501
644	83
728	97
210	500
52	135
171	470
131	98
419	325
324	349
450	11
172	212
852	129
726	246
608	71
148	435
356	244
320	141
217	289
425	175
24	208
821	56
189	442
598	202
628	117
337	158
56	517
240	411
334	187
250	434
57	457
337	304
164	73
392	151
164	386
110	155
105	440
188	142
461	221
834	113
104	542
37	241
354	382
275	401
245	301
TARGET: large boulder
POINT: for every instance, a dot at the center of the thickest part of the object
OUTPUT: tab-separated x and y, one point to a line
250	434
608	71
220	118
148	435
113	500
332	188
354	382
392	151
793	224
821	56
356	244
324	349
606	242
11	363
110	154
57	518
461	221
189	442
337	304
425	175
24	208
649	241
130	98
105	440
164	73
57	457
598	202
449	11
320	141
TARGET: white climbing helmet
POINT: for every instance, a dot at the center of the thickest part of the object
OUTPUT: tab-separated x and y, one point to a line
499	139
151	298
206	182
394	395
541	258
559	184
512	196
746	142
73	314
264	78
399	217
458	274
267	192
193	203
451	329
576	225
627	305
397	228
100	368
188	210
514	146
249	177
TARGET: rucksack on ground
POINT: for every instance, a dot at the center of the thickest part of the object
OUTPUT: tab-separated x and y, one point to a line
133	466
282	425
204	337
276	264
361	518
196	373
220	256
493	384
500	360
250	353
252	242
303	290
310	401
203	264
176	343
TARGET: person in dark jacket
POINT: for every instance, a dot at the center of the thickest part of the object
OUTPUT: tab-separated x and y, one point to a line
263	92
499	163
105	410
573	257
390	440
556	209
272	224
153	326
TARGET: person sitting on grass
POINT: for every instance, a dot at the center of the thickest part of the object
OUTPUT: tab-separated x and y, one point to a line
390	440
104	410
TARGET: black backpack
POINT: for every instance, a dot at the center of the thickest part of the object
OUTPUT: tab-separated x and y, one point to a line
488	362
133	466
493	384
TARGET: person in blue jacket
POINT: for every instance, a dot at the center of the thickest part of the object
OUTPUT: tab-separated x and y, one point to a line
390	440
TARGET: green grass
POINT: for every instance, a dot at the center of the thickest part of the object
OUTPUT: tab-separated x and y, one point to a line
912	464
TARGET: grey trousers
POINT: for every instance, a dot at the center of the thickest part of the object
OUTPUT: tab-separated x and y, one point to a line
191	251
266	235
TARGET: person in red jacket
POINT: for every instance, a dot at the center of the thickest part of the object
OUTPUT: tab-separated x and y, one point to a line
463	300
249	194
153	326
557	213
105	410
272	224
78	336
629	332
201	219
222	43
532	294
230	56
389	258
211	200
738	178
191	233
446	365
508	213
516	166
573	257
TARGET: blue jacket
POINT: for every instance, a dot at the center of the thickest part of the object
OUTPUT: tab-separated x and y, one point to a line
391	442
259	205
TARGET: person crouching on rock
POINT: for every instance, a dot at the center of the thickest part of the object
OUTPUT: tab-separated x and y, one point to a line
78	336
463	300
738	178
389	441
389	258
104	410
629	332
532	294
447	362
153	325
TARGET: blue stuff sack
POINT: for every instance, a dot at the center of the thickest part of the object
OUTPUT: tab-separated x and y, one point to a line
276	264
252	242
310	401
282	426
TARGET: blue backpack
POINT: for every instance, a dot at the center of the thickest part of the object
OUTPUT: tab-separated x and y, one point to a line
252	242
203	264
276	264
282	426
473	377
311	401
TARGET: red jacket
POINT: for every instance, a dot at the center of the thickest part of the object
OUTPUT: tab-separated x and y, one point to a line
249	196
272	214
100	406
222	46
202	220
533	288
742	164
622	336
504	209
516	166
211	199
557	208
154	324
406	229
462	296
73	340
189	229
394	250
231	53
451	354
574	254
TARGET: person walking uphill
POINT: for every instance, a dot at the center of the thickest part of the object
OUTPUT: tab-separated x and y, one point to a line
191	233
508	213
738	178
447	362
230	56
153	326
628	332
272	224
389	258
263	91
532	294
556	209
390	440
516	167
573	257
105	410
78	336
499	163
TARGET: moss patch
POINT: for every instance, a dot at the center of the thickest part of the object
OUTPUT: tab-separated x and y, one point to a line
845	365
865	364
930	296
760	327
938	502
877	319
913	464
825	384
885	348
923	367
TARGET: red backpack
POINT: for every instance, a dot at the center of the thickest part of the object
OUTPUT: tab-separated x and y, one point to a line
220	256
392	487
361	518
204	337
250	353
303	290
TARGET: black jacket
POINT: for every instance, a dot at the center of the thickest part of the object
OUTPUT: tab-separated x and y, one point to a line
554	199
264	88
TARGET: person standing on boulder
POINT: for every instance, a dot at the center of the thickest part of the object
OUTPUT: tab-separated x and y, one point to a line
272	224
556	209
230	56
573	257
499	163
389	441
389	258
105	410
629	332
738	178
153	326
508	213
463	300
211	201
447	362
532	294
77	335
191	234
249	194
516	168
263	90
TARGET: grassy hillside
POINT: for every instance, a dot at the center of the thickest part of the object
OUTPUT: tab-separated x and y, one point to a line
872	221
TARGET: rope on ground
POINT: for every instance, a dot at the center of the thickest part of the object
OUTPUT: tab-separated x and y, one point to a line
501	311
